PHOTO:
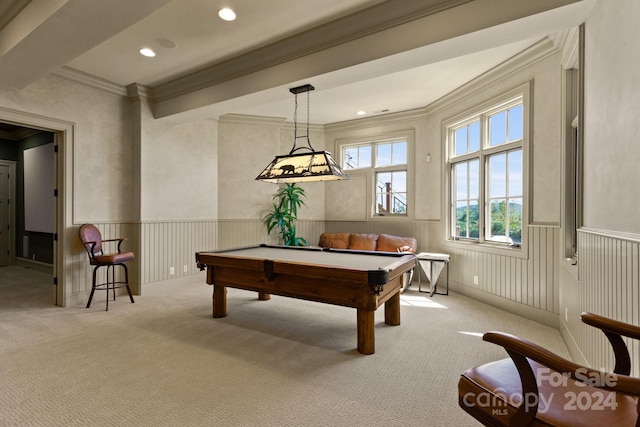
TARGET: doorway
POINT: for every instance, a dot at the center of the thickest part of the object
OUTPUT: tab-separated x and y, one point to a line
28	209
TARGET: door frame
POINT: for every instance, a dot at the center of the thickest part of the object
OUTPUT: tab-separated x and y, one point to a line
12	212
63	237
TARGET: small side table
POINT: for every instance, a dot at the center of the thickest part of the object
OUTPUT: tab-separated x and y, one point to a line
432	264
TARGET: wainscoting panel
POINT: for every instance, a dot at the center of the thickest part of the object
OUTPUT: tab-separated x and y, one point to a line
174	244
531	281
609	285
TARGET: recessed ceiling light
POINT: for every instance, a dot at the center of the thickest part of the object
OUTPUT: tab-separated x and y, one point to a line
361	113
147	52
227	14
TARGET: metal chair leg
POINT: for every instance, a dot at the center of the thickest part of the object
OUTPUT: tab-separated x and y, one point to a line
93	287
107	298
111	283
126	280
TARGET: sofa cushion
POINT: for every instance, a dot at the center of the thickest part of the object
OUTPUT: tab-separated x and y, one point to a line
389	243
334	240
363	242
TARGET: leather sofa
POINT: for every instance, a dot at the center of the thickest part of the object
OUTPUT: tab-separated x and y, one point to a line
368	242
371	242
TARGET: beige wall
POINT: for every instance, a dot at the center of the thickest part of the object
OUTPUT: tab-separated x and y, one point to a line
524	281
101	142
94	163
119	168
540	67
179	174
246	146
348	201
612	103
608	273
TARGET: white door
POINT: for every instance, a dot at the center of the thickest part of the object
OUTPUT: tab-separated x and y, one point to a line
5	219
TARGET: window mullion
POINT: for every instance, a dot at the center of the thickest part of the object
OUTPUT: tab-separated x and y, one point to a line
484	135
482	197
507	215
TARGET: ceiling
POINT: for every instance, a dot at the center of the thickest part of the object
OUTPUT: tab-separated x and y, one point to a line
371	55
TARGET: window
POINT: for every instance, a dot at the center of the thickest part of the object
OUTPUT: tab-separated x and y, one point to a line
486	167
386	162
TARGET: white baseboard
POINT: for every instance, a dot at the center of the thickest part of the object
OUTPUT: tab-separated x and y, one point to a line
575	351
537	315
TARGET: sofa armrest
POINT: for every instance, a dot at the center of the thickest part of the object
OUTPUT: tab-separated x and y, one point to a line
389	243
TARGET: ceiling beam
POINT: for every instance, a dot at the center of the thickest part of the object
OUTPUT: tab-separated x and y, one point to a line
389	28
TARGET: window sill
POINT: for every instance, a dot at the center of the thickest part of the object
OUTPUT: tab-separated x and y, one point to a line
513	251
390	218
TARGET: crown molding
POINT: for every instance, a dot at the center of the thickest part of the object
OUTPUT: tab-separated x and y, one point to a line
567	42
380	120
290	126
246	119
281	122
537	52
136	91
90	81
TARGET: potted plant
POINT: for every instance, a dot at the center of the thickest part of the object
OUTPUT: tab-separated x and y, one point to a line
284	213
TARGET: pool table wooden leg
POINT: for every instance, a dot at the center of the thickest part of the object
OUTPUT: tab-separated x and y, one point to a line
392	310
219	301
366	331
263	296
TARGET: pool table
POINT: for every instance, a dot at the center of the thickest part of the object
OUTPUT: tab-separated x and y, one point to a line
360	279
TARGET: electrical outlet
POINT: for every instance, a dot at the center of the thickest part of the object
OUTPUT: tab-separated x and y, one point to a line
172	271
185	268
475	280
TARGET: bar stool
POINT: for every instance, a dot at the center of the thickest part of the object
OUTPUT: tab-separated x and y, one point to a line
91	239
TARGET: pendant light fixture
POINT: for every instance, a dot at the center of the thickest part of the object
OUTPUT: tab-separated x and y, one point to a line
303	163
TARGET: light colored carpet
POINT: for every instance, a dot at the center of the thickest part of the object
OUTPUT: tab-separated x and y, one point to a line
164	361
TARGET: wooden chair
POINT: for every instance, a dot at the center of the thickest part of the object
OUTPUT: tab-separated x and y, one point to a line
91	239
535	387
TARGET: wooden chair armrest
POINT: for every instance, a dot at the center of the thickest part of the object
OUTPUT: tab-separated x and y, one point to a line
610	325
592	377
521	350
614	330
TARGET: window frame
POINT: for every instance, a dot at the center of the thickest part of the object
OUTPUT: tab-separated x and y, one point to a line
573	124
370	172
483	111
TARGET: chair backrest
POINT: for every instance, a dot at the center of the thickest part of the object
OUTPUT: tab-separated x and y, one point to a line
91	239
